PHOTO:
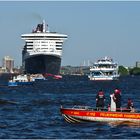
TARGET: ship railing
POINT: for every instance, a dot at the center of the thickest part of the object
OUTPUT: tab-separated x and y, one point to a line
107	69
122	109
104	76
46	52
83	107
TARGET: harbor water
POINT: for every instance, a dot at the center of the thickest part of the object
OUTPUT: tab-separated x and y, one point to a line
33	112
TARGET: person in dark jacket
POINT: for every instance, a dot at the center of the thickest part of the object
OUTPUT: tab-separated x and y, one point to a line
130	106
117	99
100	100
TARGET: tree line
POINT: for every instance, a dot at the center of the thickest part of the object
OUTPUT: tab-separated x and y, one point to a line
129	71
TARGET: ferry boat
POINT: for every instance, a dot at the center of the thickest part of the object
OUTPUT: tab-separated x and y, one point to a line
79	114
42	51
104	69
21	80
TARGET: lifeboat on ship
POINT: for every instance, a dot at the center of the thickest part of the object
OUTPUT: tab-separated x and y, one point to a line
87	114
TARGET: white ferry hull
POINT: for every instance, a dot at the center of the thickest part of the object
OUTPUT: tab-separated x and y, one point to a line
103	78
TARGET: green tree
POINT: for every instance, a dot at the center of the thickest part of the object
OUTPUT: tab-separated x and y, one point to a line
135	71
123	70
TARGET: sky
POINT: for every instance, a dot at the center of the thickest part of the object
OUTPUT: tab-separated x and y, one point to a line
95	29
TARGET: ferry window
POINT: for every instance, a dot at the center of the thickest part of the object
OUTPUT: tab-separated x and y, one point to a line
96	73
59	48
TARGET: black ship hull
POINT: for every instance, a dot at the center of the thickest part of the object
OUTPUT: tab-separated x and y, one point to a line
42	64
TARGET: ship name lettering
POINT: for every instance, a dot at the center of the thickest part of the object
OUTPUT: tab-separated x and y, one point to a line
131	116
71	112
76	113
111	115
92	114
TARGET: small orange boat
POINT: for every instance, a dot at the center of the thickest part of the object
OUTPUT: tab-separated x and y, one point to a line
84	113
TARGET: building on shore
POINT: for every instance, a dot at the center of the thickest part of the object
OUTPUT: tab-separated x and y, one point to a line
138	64
8	64
74	70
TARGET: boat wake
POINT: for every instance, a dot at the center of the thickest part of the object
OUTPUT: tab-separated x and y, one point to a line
3	101
124	123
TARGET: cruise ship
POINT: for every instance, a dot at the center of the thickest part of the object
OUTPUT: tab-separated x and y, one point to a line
104	69
42	51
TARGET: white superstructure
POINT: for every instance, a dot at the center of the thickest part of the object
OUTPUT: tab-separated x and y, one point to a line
104	69
42	51
42	41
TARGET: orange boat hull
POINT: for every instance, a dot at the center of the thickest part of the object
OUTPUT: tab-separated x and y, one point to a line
79	115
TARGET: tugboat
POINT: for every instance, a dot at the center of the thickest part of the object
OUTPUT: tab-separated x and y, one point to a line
104	69
20	80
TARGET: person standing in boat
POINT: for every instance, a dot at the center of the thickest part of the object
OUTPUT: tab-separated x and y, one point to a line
130	106
117	98
100	100
112	103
